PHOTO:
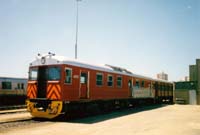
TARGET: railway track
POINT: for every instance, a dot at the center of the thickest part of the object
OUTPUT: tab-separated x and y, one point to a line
13	111
15	115
17	124
12	107
17	119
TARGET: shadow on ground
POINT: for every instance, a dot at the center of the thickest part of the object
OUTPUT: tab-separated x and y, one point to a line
111	115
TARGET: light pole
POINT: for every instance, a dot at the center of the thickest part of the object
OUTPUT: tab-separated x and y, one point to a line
76	43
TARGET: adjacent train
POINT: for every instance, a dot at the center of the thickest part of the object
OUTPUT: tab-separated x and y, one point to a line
58	85
12	91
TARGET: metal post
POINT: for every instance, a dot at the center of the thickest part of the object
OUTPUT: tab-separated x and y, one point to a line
76	43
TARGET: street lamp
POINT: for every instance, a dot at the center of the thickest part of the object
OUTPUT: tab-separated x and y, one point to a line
76	45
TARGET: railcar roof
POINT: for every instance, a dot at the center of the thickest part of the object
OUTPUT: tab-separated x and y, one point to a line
13	79
58	60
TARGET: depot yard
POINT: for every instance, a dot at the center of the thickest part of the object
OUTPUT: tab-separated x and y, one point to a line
164	120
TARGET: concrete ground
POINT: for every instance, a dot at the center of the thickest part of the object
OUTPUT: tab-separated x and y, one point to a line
167	120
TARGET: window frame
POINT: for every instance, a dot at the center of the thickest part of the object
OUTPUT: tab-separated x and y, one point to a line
67	68
101	80
109	75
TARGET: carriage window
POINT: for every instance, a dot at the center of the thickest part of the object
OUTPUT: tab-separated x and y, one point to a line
68	78
7	85
137	84
119	81
142	84
54	73
22	86
99	79
110	80
33	73
18	86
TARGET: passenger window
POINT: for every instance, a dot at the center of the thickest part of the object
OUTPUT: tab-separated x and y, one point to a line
130	84
137	84
18	86
110	80
119	81
142	84
22	86
7	85
99	79
68	77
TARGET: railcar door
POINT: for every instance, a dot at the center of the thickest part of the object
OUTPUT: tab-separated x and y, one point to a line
42	82
84	84
130	86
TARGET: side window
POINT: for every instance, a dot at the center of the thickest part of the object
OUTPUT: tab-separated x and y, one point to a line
159	87
22	86
99	79
7	85
68	77
119	81
142	84
18	86
130	84
110	80
137	83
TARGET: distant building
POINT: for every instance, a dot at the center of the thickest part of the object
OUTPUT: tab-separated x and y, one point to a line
186	78
185	92
162	76
188	90
194	71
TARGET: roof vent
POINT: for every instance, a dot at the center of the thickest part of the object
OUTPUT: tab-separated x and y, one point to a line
119	69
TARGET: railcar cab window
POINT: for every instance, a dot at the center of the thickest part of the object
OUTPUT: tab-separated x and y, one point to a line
33	73
68	77
53	73
99	79
119	81
110	80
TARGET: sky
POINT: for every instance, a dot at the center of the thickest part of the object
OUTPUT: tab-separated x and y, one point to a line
144	36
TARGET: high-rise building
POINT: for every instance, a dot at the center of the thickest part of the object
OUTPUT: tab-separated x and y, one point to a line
162	76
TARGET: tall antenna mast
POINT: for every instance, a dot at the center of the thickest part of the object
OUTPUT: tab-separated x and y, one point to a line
76	43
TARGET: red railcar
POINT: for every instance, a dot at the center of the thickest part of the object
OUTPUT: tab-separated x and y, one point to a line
58	85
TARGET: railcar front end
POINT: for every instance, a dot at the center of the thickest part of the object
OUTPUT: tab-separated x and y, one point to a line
44	91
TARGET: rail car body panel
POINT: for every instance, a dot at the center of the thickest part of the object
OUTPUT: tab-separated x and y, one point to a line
12	91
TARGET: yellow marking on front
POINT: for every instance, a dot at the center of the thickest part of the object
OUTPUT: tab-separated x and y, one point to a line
54	109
